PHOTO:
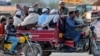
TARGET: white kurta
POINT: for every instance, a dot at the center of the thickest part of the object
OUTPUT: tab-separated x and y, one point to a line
30	19
17	21
53	17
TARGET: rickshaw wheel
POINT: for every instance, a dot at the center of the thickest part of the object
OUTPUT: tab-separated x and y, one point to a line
47	53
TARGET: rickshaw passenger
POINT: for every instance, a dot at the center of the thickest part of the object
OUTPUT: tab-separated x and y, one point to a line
37	9
63	12
17	18
71	25
32	18
42	18
51	19
11	35
2	26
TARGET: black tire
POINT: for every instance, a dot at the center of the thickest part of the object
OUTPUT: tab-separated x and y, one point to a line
47	53
46	47
37	50
95	52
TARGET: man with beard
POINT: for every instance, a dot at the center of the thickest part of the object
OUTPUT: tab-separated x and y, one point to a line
11	35
63	12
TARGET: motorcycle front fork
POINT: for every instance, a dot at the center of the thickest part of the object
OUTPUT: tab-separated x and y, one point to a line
30	45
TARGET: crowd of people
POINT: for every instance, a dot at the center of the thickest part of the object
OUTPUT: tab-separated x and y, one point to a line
43	19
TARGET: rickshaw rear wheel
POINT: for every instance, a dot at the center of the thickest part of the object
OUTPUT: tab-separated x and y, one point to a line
47	53
46	47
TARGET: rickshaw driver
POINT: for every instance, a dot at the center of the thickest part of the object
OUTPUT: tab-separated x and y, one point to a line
70	27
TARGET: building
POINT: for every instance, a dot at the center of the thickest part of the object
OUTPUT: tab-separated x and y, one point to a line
97	3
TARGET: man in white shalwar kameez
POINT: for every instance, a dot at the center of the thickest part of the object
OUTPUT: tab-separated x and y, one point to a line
52	18
32	18
17	18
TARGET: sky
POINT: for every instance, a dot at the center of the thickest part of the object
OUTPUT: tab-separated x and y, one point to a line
6	0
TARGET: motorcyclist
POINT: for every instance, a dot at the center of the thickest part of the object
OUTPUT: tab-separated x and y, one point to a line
2	26
11	35
71	26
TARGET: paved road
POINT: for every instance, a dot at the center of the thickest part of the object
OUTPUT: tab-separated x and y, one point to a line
70	54
60	54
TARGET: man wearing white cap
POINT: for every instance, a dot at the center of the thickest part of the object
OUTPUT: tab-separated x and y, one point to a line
32	18
51	19
63	12
43	17
17	18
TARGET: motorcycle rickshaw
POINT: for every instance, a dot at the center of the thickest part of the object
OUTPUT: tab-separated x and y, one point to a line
24	47
54	41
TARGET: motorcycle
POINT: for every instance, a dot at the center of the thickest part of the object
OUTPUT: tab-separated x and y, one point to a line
25	46
95	43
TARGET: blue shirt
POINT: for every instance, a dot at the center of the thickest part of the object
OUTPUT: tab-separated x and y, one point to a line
70	24
42	19
70	27
11	29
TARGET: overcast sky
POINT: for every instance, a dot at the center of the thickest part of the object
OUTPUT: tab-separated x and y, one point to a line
6	0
